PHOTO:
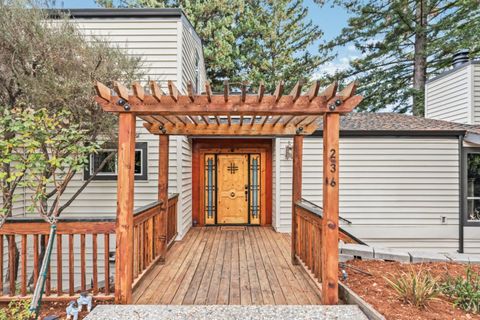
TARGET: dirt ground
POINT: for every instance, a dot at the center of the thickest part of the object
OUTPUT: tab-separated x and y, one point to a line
374	289
57	309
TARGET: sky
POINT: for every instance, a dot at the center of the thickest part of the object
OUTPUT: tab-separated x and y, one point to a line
330	20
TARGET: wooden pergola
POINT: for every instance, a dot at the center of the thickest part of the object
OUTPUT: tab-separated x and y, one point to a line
242	114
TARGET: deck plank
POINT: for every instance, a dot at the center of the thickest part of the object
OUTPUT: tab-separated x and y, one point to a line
212	266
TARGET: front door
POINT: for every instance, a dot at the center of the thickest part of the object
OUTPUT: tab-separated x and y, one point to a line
233	185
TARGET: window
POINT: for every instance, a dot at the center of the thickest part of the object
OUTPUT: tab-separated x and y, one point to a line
472	186
110	170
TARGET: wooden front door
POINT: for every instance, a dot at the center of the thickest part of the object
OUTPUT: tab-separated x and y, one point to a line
232	175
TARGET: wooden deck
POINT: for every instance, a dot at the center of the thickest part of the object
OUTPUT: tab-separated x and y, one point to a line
216	265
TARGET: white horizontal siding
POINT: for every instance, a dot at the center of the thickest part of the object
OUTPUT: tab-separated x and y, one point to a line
154	40
476	92
449	97
394	190
191	46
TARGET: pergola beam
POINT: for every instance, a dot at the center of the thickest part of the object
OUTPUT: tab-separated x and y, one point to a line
225	129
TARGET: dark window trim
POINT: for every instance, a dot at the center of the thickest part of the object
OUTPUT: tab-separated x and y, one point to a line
142	146
466	222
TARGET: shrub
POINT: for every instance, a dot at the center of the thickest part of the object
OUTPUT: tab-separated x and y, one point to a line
416	288
465	291
17	309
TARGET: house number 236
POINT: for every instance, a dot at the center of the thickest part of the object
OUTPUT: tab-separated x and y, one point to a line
332	159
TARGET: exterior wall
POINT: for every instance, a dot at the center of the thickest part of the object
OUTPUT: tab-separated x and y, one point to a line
394	190
449	97
166	47
476	91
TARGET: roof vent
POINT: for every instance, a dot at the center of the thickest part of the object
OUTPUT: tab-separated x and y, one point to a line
460	58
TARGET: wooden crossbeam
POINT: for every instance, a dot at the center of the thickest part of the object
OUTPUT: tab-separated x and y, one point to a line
259	104
157	93
121	90
208	91
138	90
174	92
261	92
328	94
103	91
297	90
243	92
312	93
226	90
190	92
225	129
278	91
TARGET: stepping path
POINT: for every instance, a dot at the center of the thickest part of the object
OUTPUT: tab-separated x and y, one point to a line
217	312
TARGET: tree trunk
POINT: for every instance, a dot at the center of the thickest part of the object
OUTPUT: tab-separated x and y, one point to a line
420	58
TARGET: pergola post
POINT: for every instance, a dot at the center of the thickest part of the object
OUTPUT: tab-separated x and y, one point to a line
161	232
331	128
124	223
296	189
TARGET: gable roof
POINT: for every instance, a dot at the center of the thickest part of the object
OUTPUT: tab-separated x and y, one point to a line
389	123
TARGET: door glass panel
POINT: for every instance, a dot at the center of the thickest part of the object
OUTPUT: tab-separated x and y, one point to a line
254	188
210	183
473	187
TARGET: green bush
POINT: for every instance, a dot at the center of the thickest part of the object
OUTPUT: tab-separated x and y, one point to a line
465	291
416	288
17	309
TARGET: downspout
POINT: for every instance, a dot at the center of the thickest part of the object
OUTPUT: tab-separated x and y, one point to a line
461	195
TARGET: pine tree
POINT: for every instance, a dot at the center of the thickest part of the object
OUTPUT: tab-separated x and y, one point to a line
401	43
249	40
274	42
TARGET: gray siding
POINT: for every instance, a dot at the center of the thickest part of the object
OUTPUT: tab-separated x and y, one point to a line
191	50
476	92
394	190
449	97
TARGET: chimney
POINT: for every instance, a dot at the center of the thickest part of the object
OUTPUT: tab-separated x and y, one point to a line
460	57
454	95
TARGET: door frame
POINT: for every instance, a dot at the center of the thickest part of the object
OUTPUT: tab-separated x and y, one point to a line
229	146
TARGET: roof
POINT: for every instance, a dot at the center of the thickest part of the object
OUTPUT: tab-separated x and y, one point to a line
366	123
119	13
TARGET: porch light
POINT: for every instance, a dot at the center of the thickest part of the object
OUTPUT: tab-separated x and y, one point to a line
289	151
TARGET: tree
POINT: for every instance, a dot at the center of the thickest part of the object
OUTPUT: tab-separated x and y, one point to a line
249	40
274	42
49	64
402	43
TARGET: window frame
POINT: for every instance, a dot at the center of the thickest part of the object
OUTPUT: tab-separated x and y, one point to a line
466	221
142	176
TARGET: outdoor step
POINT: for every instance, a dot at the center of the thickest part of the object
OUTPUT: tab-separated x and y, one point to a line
391	254
217	312
424	256
463	258
357	250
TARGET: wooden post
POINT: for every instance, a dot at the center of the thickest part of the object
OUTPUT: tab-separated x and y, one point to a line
331	127
161	232
124	225
296	189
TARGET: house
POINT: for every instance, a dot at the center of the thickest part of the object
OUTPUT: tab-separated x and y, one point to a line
400	182
405	181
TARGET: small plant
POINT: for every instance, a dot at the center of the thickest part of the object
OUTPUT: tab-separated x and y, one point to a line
17	309
465	291
416	288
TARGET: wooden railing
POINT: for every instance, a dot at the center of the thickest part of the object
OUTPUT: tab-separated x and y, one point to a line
24	239
81	259
172	219
146	244
309	236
